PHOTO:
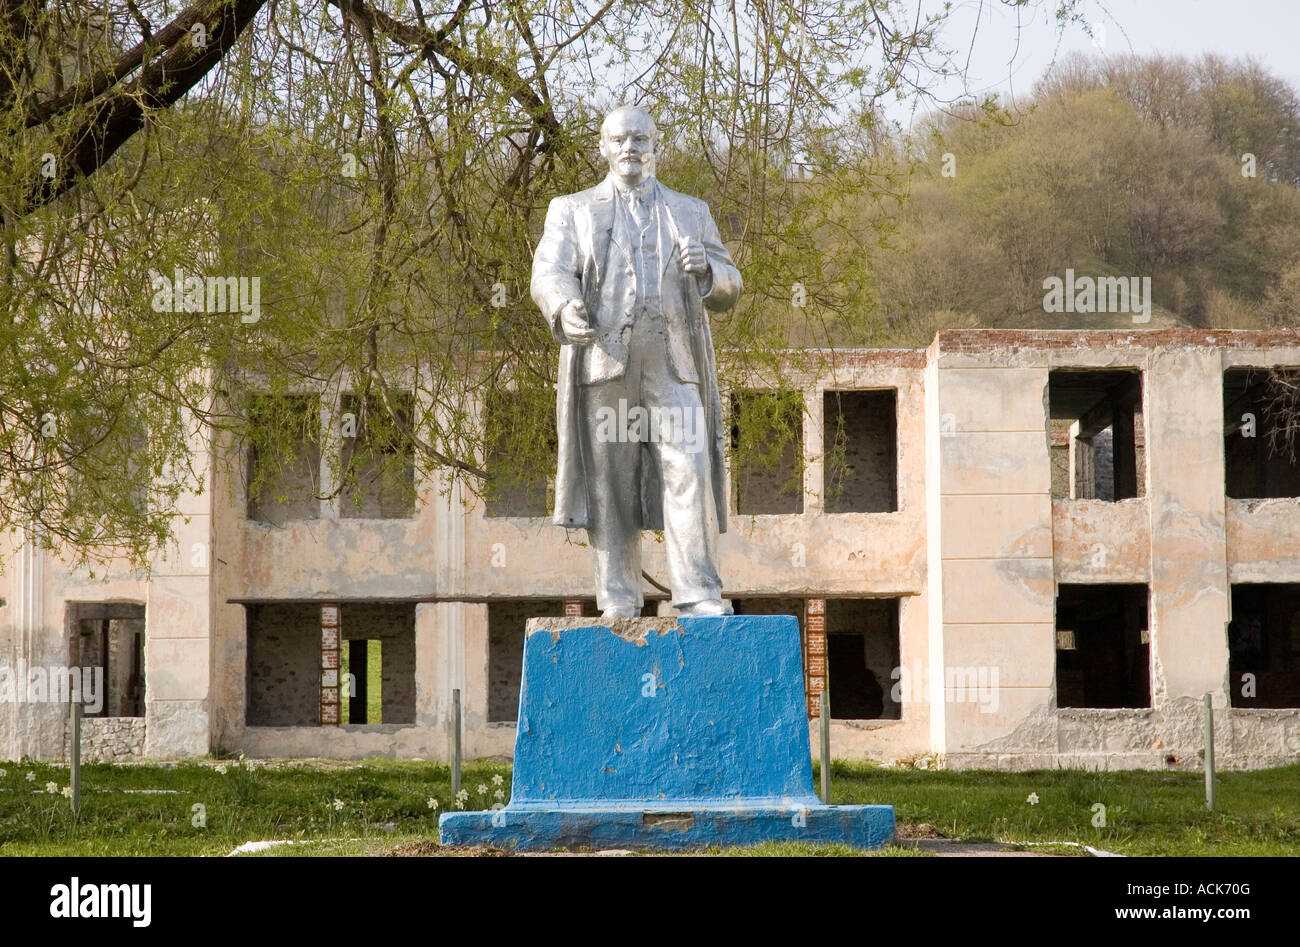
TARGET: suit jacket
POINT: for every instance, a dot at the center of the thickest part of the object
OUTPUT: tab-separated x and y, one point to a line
579	257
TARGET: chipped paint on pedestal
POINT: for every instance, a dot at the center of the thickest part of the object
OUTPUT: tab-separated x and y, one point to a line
672	733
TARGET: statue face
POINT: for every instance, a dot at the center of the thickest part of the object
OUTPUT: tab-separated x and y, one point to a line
627	141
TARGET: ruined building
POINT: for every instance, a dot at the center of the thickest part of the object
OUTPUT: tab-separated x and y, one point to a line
1031	549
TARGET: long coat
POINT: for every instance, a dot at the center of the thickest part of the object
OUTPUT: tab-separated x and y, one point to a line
579	257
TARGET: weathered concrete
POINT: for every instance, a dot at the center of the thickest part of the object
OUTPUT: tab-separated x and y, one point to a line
973	554
1176	538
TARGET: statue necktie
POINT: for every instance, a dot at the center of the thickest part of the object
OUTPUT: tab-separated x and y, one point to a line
636	204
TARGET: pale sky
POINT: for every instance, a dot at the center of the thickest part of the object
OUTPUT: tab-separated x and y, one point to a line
1268	30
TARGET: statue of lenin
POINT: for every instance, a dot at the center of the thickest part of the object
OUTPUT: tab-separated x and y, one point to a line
623	275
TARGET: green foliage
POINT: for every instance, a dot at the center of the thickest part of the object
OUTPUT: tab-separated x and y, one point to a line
383	177
1127	167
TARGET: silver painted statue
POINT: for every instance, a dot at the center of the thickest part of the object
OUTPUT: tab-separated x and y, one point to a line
623	275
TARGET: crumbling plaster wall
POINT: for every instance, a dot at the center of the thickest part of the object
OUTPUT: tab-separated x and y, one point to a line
327	559
994	596
1183	538
37	586
974	562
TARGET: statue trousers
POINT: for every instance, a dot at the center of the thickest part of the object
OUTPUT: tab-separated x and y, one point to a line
670	425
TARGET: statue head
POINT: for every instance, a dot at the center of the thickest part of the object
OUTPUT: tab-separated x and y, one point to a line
627	142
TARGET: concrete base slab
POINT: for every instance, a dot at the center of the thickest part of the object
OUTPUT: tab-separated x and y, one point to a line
680	829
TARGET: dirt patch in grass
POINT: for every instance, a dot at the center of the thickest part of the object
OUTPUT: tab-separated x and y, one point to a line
916	830
426	848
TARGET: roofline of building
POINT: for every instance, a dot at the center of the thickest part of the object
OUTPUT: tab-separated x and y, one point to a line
985	339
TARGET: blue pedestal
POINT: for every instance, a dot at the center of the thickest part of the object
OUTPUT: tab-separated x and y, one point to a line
664	733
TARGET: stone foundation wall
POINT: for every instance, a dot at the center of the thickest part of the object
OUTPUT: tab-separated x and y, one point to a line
1166	737
105	739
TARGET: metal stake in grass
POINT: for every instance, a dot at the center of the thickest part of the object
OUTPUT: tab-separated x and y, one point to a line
825	714
74	721
455	743
1209	754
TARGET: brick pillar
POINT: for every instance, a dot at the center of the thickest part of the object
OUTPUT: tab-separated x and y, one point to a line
573	608
815	657
329	665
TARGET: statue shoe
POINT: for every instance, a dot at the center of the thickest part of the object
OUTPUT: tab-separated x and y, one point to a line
711	606
621	611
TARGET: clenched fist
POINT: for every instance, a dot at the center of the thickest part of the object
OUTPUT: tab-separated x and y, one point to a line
694	260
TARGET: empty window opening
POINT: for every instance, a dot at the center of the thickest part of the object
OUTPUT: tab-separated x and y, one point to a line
1261	420
361	681
283	665
388	632
283	471
109	639
1102	646
767	451
860	434
1097	434
101	446
1264	646
284	662
378	461
861	658
521	454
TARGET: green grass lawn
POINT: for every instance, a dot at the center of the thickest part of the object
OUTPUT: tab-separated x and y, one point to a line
378	806
1146	813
